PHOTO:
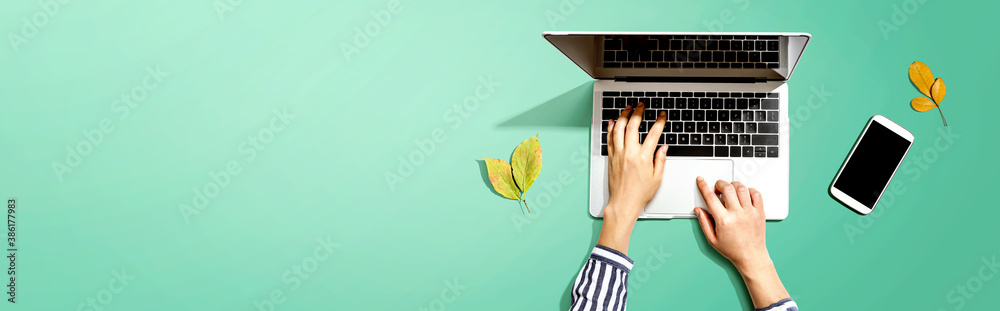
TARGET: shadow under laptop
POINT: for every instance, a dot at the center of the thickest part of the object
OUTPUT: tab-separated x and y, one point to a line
571	109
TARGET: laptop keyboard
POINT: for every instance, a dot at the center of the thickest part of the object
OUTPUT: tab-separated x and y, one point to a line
691	51
703	124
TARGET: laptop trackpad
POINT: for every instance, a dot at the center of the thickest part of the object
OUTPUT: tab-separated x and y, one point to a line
678	193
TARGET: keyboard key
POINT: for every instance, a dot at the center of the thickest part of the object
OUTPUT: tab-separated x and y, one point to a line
754	57
759	152
751	128
748	95
642	127
699	115
689	127
717	103
742	57
612	93
730	104
772	45
609	102
690	151
721	151
707	139
649	114
670	139
711	115
759	95
735	115
767	140
727	127
657	56
696	139
770	57
720	139
769	103
772	95
760	116
650	94
644	100
741	104
712	94
747	152
754	104
730	57
767	127
610	114
760	45
738	127
732	139
772	116
714	127
724	45
744	139
681	103
668	103
656	103
772	152
604	126
675	115
675	94
677	127
699	94
687	94
683	139
705	103
687	115
723	115
620	102
748	116
632	101
702	127
604	150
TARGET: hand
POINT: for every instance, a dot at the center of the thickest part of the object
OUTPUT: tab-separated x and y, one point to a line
634	172
736	226
736	230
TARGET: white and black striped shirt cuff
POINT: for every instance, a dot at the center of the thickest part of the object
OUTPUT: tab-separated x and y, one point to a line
612	257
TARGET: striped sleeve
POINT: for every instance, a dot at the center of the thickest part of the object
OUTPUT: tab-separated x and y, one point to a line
786	304
601	283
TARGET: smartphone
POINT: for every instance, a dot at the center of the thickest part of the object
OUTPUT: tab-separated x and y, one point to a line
871	164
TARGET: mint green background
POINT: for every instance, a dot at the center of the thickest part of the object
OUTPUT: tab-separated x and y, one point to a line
324	174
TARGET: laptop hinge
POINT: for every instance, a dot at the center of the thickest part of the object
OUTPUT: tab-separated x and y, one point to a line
694	79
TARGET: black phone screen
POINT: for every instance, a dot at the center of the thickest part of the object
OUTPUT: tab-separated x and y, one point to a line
869	169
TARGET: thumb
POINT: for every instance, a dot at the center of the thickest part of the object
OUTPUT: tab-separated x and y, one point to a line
658	161
707	225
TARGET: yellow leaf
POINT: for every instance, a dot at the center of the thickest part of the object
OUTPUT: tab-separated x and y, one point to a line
921	76
500	177
527	161
938	91
922	104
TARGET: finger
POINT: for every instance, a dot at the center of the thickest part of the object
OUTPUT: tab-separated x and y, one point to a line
728	194
708	193
660	161
632	128
610	137
620	128
655	131
757	198
707	225
743	194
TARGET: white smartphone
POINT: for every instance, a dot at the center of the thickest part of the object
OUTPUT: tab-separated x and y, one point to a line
871	164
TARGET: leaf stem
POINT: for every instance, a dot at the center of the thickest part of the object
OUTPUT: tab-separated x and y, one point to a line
942	114
526	205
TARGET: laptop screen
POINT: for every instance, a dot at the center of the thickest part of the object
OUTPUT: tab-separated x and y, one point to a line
769	56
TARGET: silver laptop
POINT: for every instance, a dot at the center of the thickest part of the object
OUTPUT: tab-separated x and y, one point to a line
726	102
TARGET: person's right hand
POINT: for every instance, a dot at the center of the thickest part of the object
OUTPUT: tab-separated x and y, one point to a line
736	226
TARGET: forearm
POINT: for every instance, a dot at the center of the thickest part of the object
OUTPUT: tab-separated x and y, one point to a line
762	282
616	229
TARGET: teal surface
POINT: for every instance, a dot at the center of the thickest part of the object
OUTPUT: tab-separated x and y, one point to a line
262	155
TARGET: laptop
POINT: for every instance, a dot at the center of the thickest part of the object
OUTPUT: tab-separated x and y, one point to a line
726	102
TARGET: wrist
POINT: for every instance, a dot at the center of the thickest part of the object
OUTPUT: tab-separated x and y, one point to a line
756	267
616	229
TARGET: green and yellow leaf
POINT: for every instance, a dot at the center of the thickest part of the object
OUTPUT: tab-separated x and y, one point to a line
527	161
922	104
921	76
938	91
501	178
